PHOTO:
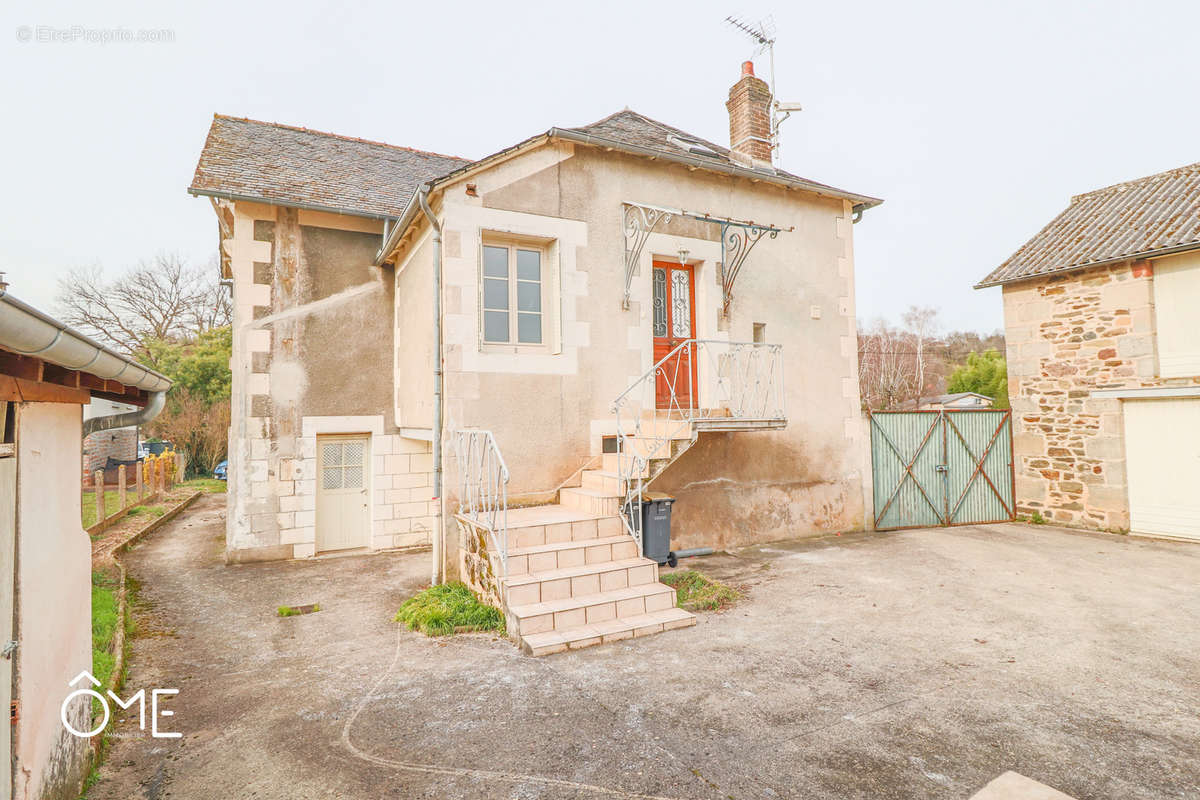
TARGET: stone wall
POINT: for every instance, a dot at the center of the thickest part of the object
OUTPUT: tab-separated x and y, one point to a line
1068	335
120	444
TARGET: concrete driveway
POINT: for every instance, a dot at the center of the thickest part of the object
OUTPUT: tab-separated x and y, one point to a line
917	664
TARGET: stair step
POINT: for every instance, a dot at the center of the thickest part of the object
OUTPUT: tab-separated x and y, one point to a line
591	501
618	462
604	481
549	524
540	644
557	584
571	553
571	612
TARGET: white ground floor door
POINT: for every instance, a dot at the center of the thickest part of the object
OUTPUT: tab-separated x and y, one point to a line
1162	452
343	500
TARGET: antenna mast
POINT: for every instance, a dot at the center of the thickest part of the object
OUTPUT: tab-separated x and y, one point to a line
763	34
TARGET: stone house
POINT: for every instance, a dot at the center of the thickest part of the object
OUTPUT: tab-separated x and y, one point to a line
545	331
1100	315
48	373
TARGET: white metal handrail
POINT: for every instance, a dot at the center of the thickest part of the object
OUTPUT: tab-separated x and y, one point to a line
483	486
699	380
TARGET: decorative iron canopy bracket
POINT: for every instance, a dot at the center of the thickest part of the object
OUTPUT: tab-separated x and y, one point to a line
640	222
738	238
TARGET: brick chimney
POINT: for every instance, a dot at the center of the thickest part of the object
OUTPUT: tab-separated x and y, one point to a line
749	108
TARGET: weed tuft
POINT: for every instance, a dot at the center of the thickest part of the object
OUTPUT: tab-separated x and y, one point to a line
695	591
448	608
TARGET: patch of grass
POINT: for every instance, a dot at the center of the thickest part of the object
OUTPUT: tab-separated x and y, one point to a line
1037	519
288	611
112	504
209	485
695	591
156	511
448	608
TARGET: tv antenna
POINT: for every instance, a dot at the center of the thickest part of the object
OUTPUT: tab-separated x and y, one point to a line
763	34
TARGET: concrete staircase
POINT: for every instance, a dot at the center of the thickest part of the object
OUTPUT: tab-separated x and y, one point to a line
575	576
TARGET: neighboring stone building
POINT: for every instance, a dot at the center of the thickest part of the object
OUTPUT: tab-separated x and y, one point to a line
571	265
1102	322
117	444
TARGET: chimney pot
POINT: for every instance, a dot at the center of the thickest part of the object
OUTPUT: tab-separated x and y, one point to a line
747	67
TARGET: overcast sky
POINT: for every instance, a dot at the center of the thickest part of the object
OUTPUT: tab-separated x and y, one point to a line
975	122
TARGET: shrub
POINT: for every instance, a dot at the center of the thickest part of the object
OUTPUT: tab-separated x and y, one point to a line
448	608
695	591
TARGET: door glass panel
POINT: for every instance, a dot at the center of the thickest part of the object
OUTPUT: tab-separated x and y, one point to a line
660	302
352	454
352	477
529	328
495	261
681	304
331	477
331	454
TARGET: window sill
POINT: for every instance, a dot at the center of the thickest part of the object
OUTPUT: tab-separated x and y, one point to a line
516	349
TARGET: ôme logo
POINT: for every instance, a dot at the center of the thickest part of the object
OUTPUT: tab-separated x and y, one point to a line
138	697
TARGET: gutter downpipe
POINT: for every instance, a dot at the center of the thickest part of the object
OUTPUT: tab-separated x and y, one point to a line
439	537
127	419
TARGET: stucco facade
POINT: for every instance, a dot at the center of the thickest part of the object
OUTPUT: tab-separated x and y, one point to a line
550	407
1081	345
312	357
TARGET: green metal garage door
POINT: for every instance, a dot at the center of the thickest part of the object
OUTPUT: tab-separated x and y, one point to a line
941	467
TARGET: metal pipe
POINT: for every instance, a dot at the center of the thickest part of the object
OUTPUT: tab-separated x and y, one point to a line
440	534
127	419
694	551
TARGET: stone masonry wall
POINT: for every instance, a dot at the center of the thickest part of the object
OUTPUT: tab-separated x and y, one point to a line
1068	335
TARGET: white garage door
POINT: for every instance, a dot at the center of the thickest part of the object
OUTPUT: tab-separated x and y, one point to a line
1162	450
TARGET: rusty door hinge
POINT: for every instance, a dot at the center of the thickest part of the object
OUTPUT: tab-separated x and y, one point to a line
12	713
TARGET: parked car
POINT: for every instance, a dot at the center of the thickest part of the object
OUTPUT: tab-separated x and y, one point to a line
221	471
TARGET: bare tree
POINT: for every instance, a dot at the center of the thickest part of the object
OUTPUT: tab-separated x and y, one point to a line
886	366
921	324
164	299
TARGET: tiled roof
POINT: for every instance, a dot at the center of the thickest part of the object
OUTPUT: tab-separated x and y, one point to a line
244	158
296	166
1152	215
631	128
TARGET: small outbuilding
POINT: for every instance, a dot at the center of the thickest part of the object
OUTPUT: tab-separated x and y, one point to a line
48	373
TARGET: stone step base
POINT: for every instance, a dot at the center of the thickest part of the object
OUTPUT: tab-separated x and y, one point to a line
542	644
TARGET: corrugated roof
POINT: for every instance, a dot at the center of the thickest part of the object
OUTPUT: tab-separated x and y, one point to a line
245	158
1154	215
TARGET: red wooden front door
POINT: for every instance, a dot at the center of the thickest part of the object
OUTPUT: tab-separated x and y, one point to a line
674	293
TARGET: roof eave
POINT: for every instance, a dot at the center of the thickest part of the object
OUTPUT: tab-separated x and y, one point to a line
246	198
862	200
1158	253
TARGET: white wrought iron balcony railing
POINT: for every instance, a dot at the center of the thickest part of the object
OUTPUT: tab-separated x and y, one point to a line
701	384
483	487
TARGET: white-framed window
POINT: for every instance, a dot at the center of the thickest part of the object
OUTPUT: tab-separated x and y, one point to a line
514	295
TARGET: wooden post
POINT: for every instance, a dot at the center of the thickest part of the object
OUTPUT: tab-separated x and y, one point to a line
121	485
98	481
138	470
159	475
